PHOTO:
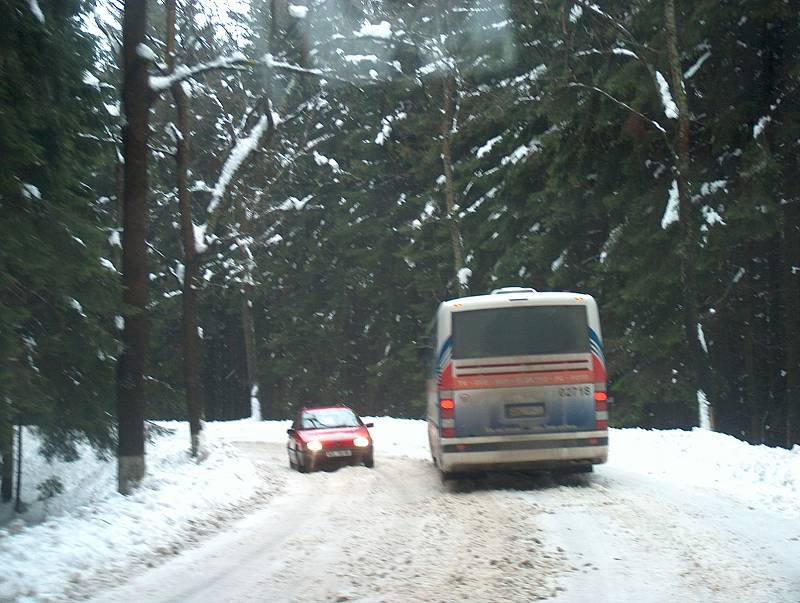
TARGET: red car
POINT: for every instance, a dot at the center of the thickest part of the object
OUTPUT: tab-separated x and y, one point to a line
328	436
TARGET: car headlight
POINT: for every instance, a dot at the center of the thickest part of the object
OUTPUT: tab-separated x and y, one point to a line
361	442
314	445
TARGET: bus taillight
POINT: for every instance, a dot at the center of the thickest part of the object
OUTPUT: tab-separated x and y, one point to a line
601	410
447	415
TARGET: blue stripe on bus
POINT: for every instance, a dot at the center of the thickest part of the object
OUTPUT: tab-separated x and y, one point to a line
443	354
596	345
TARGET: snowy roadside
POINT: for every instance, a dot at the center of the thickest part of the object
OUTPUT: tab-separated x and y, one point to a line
759	476
91	535
91	530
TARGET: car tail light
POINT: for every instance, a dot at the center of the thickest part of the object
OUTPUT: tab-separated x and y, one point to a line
601	407
447	416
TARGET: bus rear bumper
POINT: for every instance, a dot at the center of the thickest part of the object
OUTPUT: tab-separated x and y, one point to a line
548	452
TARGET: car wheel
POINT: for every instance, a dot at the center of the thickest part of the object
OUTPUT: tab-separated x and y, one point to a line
369	461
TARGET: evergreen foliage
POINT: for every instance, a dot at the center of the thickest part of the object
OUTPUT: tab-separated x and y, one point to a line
336	231
58	290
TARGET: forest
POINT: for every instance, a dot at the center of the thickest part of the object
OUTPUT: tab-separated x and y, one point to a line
210	206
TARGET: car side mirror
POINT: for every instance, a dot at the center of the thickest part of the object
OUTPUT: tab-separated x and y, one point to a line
291	432
369	424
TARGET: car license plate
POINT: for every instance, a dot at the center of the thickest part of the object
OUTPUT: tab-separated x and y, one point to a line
524	411
332	453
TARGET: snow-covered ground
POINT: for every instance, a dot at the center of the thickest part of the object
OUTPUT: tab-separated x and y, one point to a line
697	514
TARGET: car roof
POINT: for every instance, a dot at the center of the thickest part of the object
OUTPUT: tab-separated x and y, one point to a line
331	407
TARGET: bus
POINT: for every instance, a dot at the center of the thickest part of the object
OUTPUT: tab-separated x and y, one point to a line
517	380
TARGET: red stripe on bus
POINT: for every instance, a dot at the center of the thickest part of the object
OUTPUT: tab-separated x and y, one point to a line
521	380
472	366
562	370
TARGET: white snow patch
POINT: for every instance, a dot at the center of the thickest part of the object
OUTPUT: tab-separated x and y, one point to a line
298	12
696	67
712	216
29	191
701	338
671	212
709	188
624	52
255	406
521	152
321	160
703	410
758	129
36	10
143	51
670	108
361	58
106	263
90	80
380	30
76	305
463	275
575	13
559	261
200	245
486	148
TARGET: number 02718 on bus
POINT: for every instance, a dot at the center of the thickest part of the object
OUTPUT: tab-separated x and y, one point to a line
517	380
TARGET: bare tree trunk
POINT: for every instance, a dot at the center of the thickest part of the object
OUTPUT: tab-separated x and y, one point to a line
688	222
192	347
18	507
749	350
132	361
249	330
7	458
791	254
448	91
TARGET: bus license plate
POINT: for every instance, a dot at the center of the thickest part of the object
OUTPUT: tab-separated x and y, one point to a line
524	411
332	453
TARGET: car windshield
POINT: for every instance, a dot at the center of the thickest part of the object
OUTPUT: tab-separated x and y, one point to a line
332	417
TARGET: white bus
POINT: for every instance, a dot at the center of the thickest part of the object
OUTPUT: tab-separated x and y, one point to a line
517	380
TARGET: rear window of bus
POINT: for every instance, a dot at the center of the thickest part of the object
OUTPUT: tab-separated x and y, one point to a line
523	331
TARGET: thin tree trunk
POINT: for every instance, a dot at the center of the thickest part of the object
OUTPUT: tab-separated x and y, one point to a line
7	458
791	254
448	91
132	361
688	223
749	350
192	346
249	330
18	503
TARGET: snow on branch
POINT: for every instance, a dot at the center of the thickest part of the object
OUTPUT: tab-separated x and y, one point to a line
270	61
36	10
240	152
652	122
670	108
184	72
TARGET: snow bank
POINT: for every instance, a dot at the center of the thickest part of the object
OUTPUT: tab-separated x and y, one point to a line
106	531
764	477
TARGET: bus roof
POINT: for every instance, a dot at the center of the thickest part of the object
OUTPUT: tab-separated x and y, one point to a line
533	298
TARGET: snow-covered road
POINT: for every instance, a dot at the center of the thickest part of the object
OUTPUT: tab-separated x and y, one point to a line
396	533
